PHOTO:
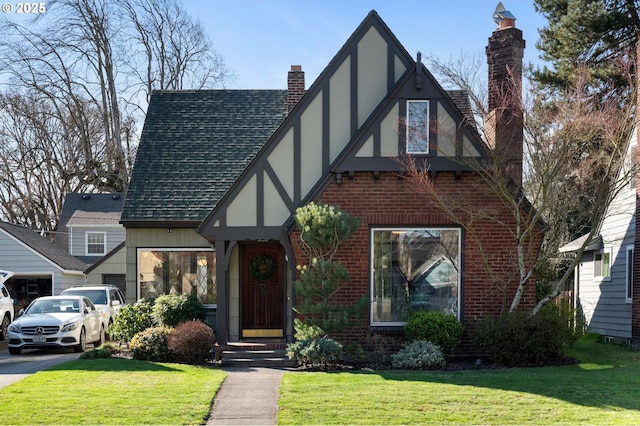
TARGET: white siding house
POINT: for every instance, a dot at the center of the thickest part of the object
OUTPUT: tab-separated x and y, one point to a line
604	278
41	268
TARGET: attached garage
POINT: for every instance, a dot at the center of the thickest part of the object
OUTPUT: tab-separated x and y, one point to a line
41	268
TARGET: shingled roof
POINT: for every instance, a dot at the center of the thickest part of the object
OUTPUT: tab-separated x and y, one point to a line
193	147
88	209
46	248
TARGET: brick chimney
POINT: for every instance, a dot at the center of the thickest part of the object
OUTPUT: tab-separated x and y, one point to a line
295	86
505	121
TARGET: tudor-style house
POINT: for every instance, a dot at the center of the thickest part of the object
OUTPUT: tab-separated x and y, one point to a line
219	174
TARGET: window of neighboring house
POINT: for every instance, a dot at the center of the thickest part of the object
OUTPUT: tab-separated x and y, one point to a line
171	271
96	243
417	127
629	283
414	269
602	264
630	170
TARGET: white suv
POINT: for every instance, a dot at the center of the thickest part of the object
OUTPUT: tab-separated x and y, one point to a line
107	298
6	305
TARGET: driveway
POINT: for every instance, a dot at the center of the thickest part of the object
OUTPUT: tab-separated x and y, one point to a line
16	367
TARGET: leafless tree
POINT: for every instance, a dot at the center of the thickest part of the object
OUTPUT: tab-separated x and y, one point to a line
558	171
77	64
175	50
40	154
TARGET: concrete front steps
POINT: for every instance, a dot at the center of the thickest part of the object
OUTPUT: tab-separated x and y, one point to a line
255	354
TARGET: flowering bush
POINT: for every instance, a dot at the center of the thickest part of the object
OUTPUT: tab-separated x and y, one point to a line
191	341
151	345
418	354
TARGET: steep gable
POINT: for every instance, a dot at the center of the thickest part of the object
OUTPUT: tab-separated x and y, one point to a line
193	146
349	120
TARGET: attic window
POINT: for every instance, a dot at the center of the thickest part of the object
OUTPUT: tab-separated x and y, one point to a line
418	127
96	243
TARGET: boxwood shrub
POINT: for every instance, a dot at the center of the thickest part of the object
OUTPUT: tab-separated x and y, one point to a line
439	328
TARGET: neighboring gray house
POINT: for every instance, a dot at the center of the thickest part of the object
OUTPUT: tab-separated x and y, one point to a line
89	225
41	268
603	280
89	229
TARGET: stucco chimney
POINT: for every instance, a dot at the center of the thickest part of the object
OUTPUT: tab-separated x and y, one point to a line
505	121
295	86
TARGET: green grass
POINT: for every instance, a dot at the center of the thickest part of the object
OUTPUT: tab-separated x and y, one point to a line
112	391
602	389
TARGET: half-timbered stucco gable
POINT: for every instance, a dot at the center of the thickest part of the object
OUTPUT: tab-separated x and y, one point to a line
351	119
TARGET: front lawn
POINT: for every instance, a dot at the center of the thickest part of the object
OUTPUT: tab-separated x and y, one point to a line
112	391
602	389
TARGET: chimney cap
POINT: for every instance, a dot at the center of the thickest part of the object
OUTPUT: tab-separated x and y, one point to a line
296	67
503	17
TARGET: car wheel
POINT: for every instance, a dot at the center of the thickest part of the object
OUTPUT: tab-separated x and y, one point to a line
83	341
100	340
4	326
15	351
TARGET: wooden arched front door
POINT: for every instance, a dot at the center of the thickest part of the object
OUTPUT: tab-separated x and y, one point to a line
262	290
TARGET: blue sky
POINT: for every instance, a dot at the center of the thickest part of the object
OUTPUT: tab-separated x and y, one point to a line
261	39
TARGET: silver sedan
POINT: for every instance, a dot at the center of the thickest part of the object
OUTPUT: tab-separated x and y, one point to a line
56	321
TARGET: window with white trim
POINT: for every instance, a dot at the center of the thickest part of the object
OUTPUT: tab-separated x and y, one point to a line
96	243
418	127
629	282
602	264
414	269
177	271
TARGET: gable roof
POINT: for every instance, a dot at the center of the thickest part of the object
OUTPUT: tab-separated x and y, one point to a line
106	257
347	121
193	146
43	246
87	209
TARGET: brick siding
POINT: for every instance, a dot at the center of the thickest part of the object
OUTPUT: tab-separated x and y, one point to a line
392	201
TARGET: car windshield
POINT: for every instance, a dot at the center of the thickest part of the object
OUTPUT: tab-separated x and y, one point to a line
98	297
54	305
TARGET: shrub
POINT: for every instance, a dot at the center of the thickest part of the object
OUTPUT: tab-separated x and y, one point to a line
151	345
306	331
106	350
131	320
521	338
191	341
172	309
437	327
418	354
317	352
312	347
381	347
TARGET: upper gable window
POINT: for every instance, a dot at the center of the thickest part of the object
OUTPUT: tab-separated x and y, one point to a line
96	243
417	127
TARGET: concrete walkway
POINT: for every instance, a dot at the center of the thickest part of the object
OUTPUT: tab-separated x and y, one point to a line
248	396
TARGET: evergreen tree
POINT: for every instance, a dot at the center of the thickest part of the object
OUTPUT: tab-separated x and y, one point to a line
599	35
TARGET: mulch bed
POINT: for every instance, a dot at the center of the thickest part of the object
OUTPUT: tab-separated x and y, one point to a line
454	364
